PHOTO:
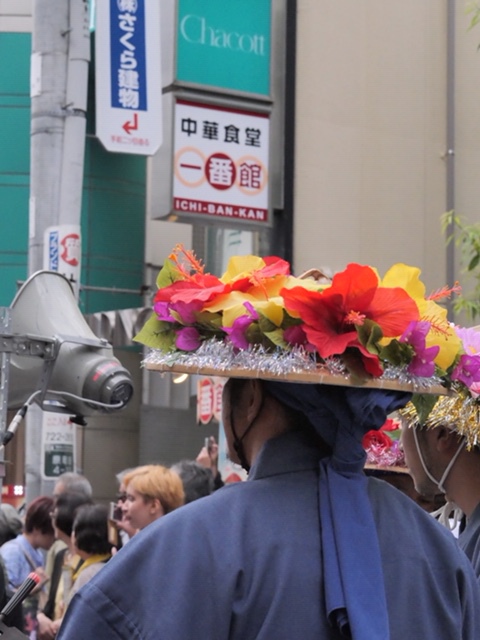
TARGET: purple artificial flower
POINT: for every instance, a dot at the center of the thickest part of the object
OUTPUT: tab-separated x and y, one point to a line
467	370
470	338
237	332
422	363
162	309
187	310
188	339
297	337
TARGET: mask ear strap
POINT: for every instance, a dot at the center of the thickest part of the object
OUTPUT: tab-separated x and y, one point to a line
438	483
238	441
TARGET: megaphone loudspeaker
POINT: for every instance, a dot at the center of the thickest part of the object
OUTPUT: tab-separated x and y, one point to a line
85	377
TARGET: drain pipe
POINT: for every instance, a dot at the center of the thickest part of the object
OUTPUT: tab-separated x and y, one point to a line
450	153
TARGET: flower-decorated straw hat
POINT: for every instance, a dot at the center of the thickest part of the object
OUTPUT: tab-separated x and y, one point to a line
346	352
460	410
383	448
258	320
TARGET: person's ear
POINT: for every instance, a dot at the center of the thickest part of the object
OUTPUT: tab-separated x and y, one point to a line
155	506
254	399
446	440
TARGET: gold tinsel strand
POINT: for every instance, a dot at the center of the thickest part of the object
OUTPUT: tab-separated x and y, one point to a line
459	412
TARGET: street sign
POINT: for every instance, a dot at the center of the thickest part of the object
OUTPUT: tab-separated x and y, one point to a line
221	163
62	252
58	444
209	399
128	84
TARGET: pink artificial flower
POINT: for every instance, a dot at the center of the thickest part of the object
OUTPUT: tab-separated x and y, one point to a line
162	309
296	336
237	332
467	370
188	339
422	363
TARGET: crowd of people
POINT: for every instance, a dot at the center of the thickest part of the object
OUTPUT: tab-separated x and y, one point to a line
67	538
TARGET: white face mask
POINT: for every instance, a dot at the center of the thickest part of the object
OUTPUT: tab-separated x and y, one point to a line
439	483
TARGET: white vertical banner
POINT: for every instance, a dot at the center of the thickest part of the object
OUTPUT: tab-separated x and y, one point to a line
62	252
58	444
128	84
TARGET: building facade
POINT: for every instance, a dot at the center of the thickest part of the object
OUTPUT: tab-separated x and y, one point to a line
376	136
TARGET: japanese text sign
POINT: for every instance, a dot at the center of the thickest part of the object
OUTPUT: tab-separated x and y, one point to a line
220	163
128	83
209	399
62	252
58	444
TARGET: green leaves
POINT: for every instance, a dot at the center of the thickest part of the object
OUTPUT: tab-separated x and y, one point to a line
397	353
168	273
423	404
369	335
467	238
156	334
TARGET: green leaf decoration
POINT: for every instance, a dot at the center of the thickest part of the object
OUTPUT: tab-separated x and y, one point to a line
288	321
276	337
168	274
352	359
369	335
156	334
396	353
209	320
254	334
423	404
265	324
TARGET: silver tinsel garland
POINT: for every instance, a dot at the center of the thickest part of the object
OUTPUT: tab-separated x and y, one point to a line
221	357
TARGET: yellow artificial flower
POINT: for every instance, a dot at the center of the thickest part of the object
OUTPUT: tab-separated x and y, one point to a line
441	332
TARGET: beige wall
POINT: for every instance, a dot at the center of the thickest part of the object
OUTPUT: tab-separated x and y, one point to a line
370	134
467	148
15	15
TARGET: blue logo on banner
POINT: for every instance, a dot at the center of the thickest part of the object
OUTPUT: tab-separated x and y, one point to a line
53	250
128	71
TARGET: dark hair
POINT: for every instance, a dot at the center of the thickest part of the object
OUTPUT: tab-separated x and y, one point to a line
91	529
38	515
197	480
66	505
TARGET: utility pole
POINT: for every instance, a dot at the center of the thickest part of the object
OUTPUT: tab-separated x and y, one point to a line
59	76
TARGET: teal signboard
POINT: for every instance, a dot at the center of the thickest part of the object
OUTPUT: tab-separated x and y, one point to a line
225	44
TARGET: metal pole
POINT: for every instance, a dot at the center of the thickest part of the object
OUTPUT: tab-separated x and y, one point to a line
60	56
48	93
5	322
450	140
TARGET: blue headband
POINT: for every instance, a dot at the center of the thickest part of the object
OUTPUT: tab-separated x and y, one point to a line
351	552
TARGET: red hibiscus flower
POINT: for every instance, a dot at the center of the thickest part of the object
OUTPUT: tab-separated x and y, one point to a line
199	287
390	425
331	316
377	439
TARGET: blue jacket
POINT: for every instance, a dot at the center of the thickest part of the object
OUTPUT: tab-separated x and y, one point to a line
469	539
246	564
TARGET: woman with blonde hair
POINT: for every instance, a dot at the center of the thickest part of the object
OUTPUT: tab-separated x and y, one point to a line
152	491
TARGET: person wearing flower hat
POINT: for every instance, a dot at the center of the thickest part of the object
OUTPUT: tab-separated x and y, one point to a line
307	547
442	450
386	461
